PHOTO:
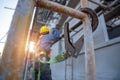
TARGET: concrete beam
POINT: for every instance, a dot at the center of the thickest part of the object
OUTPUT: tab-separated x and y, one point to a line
13	58
112	14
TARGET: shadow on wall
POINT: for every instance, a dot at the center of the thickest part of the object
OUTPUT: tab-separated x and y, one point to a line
113	33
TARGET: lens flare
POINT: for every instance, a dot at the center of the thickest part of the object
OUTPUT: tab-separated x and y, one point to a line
32	46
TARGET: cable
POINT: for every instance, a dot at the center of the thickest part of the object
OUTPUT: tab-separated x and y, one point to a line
3	36
2	42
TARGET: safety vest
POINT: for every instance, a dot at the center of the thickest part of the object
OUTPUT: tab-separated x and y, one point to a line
42	51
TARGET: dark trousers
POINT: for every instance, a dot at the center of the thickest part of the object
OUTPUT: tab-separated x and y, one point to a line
45	72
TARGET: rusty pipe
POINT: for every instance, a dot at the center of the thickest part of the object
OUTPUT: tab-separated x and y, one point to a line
60	8
90	68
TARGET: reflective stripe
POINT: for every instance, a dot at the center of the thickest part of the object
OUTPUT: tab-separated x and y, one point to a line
42	53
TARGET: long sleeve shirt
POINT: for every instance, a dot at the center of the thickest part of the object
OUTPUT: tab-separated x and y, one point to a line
48	39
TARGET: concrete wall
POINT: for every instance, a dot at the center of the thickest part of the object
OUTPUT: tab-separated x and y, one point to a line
107	60
107	53
107	64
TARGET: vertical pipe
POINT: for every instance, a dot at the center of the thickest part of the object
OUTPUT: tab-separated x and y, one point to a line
89	46
28	53
72	67
65	69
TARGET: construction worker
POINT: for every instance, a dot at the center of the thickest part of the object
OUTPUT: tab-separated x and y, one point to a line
44	44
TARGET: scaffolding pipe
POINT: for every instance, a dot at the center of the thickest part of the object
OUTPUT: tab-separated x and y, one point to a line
88	37
60	8
99	4
90	70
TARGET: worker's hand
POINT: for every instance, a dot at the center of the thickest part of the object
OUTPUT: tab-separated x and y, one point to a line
43	58
53	30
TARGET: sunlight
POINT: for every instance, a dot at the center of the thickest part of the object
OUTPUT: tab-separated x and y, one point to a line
32	46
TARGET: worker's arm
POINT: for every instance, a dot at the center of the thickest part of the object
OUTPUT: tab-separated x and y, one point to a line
48	39
56	33
37	47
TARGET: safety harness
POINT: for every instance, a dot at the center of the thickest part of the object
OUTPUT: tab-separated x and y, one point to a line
71	49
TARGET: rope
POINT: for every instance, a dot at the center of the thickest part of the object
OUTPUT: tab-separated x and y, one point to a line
3	37
59	58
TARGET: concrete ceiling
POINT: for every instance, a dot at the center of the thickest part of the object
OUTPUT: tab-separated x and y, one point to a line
72	4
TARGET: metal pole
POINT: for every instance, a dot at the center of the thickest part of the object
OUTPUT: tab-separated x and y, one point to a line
101	5
28	52
89	46
60	8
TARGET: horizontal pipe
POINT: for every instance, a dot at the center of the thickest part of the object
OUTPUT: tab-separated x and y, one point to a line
112	14
99	4
60	8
